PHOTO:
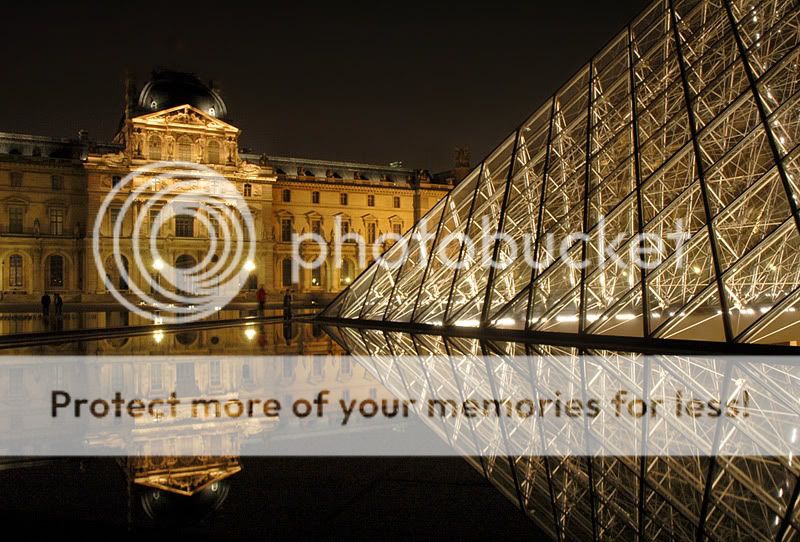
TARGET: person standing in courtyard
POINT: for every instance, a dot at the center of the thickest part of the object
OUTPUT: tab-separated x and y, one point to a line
45	305
261	296
59	303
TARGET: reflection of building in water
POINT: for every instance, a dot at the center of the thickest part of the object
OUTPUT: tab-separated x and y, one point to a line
52	189
185	475
172	366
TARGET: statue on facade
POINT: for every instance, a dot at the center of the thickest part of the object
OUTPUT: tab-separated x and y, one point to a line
36	227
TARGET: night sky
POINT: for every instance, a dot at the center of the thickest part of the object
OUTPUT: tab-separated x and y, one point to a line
371	82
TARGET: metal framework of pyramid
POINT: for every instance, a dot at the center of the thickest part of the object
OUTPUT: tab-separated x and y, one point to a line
688	120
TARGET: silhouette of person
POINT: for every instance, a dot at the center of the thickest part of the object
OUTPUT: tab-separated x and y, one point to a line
59	303
45	305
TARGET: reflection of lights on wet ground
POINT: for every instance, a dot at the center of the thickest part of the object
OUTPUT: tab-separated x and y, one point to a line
250	333
158	336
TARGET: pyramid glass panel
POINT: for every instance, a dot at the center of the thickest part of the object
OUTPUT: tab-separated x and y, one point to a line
654	195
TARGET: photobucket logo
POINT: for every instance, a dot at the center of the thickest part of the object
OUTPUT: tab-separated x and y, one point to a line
161	196
491	249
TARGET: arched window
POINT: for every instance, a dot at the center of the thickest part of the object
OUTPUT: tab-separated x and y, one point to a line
185	149
316	276
213	152
184	283
155	148
347	273
54	269
15	270
286	272
115	276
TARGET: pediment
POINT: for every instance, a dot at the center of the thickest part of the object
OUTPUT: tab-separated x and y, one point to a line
184	116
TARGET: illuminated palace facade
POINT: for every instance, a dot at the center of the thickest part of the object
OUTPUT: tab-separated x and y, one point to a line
51	190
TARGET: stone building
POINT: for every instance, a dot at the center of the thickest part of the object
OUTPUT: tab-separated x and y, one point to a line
51	191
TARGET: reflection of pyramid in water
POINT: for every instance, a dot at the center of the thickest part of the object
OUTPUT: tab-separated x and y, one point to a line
687	120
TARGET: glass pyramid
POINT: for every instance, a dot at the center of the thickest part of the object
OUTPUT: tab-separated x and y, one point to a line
653	196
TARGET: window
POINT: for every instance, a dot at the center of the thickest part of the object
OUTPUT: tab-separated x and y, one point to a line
57	221
185	149
55	271
344	228
16	179
115	180
286	272
343	199
347	272
213	227
248	190
316	276
155	148
396	202
370	201
113	215
213	152
397	228
15	219
184	226
215	377
15	271
286	196
316	226
155	222
371	232
288	372
314	197
57	182
286	230
155	376
117	377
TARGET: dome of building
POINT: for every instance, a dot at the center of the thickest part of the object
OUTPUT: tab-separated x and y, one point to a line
168	89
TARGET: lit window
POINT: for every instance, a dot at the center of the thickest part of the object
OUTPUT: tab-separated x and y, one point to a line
56	221
344	228
286	272
248	190
15	271
155	148
370	201
184	226
347	272
212	111
185	149
397	229
343	199
153	105
15	219
55	271
316	276
371	232
314	197
286	230
213	152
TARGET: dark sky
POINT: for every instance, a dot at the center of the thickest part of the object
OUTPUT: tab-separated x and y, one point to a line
373	82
